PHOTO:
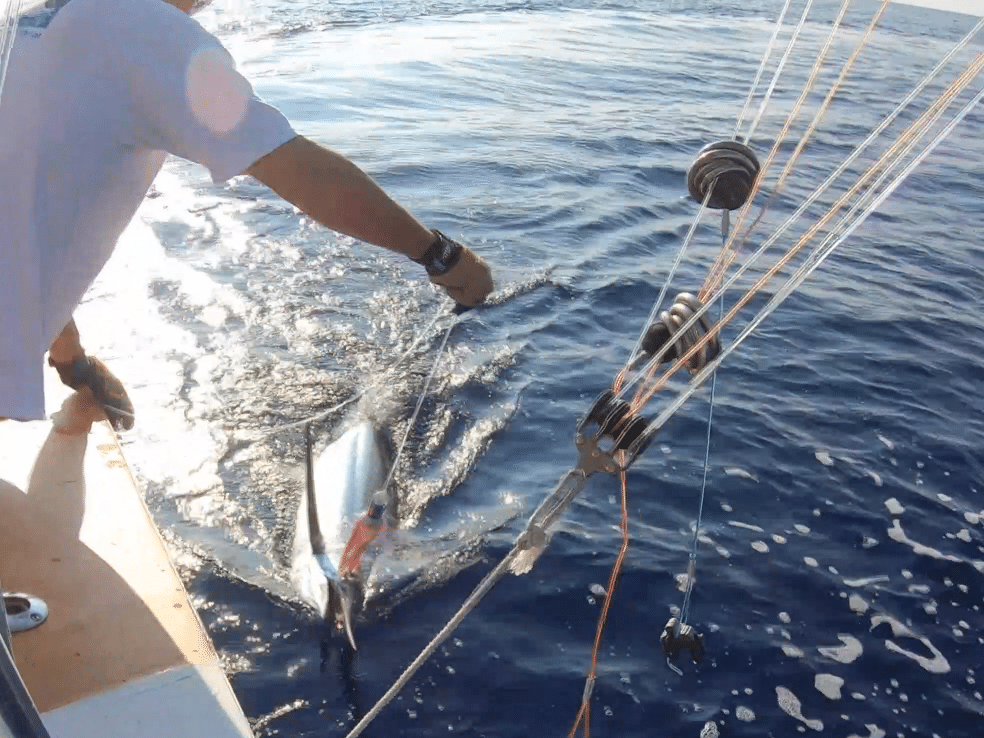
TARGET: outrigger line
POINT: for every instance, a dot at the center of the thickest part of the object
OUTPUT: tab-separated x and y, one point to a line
725	175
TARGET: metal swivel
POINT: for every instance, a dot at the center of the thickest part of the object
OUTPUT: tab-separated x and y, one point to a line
667	329
730	168
678	637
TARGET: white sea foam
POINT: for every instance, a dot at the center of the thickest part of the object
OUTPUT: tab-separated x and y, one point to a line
829	685
734	471
935	665
857	604
845	654
873	732
746	526
790	704
898	535
894	506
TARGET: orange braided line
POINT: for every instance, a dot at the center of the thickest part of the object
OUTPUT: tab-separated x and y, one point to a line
733	253
645	393
603	618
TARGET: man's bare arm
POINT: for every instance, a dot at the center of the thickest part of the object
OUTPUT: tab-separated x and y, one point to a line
339	195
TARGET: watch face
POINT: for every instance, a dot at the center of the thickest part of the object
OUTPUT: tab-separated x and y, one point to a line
441	255
440	261
447	252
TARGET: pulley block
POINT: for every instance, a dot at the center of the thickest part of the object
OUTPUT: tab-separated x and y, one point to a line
615	421
667	329
730	168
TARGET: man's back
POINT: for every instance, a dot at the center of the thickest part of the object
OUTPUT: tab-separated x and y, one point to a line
92	103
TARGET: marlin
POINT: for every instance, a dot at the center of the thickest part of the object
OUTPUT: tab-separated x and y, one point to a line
345	483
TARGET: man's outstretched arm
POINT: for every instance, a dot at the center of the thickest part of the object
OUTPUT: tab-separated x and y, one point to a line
339	195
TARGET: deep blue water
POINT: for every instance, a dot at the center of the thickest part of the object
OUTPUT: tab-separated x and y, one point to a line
846	466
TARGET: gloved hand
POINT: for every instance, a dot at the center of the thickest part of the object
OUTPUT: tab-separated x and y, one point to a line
462	273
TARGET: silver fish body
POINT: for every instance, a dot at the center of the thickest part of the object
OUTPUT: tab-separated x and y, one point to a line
341	483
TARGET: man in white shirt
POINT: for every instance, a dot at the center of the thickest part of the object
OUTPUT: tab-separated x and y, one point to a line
93	103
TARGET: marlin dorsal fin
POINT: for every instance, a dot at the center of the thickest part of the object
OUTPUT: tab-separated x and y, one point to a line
314	529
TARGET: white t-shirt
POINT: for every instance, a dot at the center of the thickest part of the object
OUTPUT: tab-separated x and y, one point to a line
91	106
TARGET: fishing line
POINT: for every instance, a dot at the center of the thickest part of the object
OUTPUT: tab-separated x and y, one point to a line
733	245
778	72
710	190
692	562
662	294
871	137
922	126
806	269
420	402
703	206
584	714
821	189
758	75
9	19
653	364
917	131
804	139
871	202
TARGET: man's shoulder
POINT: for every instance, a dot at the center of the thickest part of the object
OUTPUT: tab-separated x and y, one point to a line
142	40
122	20
112	9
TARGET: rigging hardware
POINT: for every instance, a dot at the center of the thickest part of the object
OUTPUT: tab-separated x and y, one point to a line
729	168
898	156
678	637
608	428
667	330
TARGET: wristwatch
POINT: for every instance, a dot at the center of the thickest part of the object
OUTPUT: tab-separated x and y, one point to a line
441	255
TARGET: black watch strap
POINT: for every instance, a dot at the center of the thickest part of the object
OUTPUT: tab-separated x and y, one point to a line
441	255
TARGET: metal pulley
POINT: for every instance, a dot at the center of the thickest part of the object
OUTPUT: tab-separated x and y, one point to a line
678	637
730	168
614	421
667	330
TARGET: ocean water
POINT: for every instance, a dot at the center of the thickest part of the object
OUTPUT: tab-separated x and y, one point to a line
839	578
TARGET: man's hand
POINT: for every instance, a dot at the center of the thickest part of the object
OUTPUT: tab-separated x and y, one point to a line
459	270
469	281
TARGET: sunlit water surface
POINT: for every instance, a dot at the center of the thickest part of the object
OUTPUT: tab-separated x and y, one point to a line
839	573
